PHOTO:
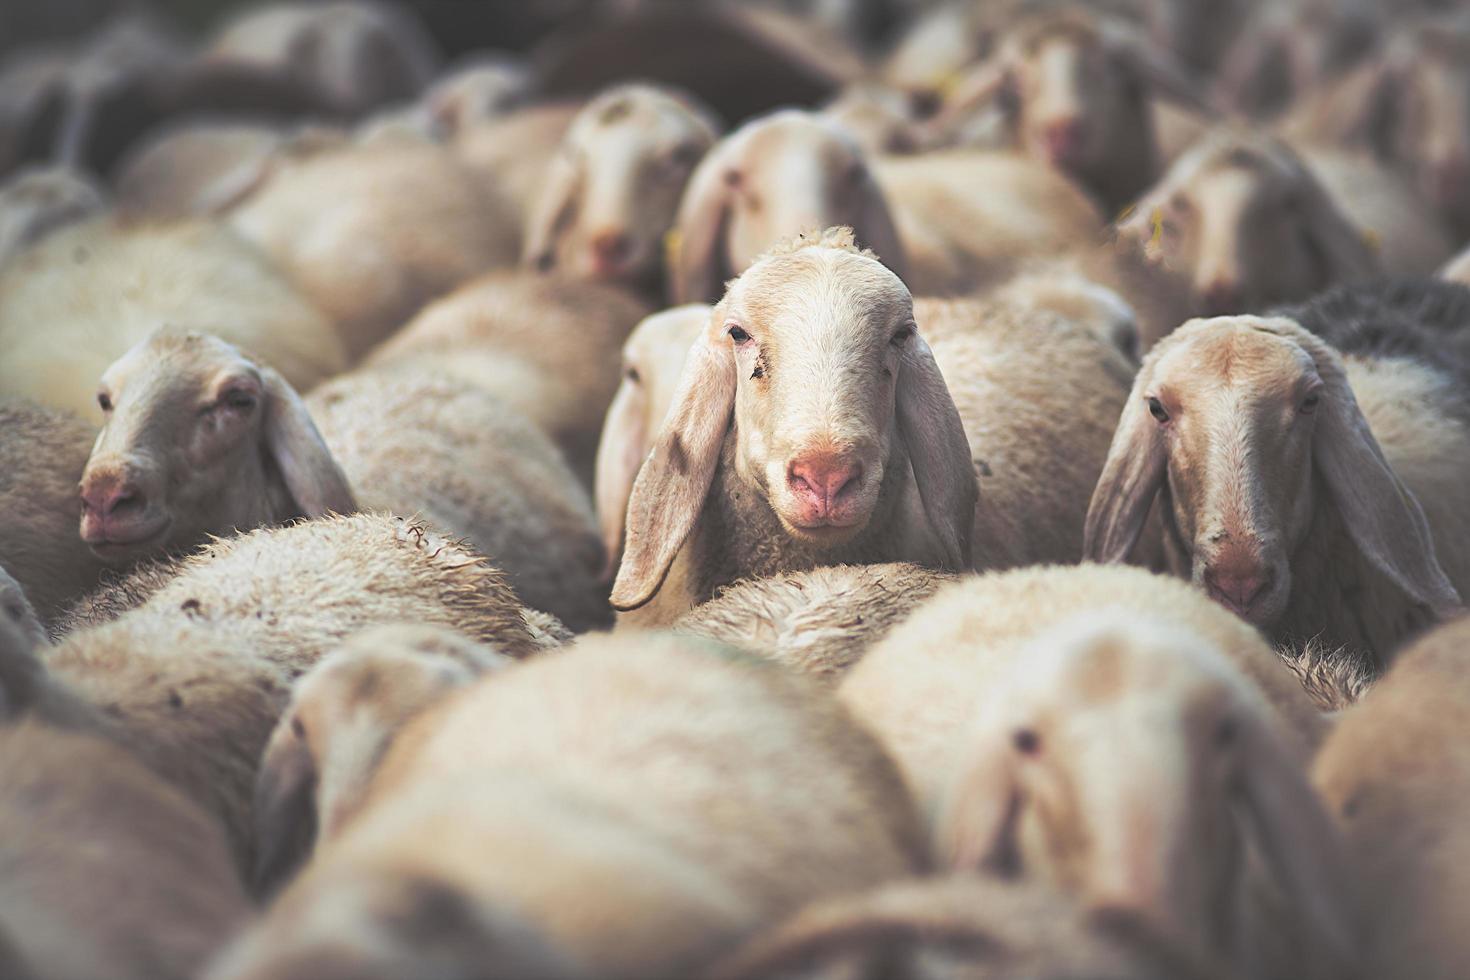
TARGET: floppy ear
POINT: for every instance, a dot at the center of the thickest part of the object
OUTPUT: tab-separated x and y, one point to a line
1131	478
696	255
670	489
620	452
875	229
1156	72
939	452
554	210
1345	253
976	825
284	810
1371	102
1298	839
1381	515
312	477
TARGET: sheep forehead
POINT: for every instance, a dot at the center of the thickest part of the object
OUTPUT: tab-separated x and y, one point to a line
815	292
1233	353
641	109
169	360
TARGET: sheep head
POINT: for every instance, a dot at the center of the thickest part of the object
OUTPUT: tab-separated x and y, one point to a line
1249	423
198	439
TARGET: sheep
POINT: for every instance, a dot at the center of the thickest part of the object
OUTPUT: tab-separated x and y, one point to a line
1405	107
629	799
42	454
343	716
1073	295
966	928
653	360
514	152
1395	774
881	119
345	58
1316	492
818	622
1078	88
546	345
31	103
190	665
1005	721
197	440
1246	222
793	171
109	872
35	202
63	322
17	616
475	90
610	196
758	470
195	167
372	232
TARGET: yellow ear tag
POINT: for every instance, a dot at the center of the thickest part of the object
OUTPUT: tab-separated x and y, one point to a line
1125	214
1158	235
944	86
1371	239
673	244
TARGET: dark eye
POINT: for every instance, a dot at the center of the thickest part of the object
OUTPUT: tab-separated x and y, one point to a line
241	401
1026	741
1157	410
898	339
737	333
1309	403
104	401
632	375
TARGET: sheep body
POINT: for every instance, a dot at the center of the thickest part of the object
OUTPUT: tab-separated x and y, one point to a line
42	454
35	202
136	278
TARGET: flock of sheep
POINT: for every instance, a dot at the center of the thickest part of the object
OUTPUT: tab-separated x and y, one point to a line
1009	521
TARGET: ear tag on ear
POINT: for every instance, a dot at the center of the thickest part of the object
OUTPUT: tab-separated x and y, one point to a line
946	84
1157	239
673	244
1125	214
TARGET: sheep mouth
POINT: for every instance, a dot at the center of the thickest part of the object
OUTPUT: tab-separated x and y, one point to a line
110	543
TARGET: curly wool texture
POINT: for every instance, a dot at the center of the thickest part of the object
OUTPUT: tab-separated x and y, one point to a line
818	622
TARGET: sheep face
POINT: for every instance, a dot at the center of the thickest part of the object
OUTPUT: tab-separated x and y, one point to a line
1246	225
813	362
615	186
778	176
199	440
1128	764
343	715
1248	422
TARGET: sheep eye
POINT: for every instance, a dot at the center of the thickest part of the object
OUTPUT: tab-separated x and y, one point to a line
1309	403
897	340
1157	410
632	375
738	334
239	400
104	401
1026	741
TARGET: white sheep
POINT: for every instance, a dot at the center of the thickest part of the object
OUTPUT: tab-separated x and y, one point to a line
1125	739
344	714
1396	773
82	296
194	167
35	202
611	194
190	665
792	172
42	455
642	803
1320	493
370	232
546	345
819	622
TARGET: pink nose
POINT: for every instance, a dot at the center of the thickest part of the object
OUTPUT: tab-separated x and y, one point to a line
820	480
1236	590
1063	139
112	496
610	249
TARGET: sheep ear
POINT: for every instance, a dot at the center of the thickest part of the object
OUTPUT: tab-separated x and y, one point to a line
312	477
877	231
976	829
696	253
1297	839
1381	515
939	452
284	810
1344	251
552	213
670	489
1160	74
1132	476
620	453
